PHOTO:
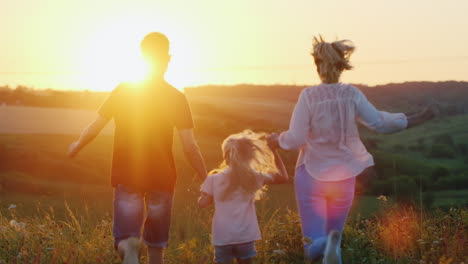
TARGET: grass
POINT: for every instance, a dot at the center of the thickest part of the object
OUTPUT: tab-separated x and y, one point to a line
66	205
450	198
455	126
395	235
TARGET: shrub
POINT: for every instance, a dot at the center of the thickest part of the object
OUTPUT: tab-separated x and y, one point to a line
439	172
403	187
463	149
421	142
384	187
417	148
399	147
454	182
428	199
444	139
406	189
442	151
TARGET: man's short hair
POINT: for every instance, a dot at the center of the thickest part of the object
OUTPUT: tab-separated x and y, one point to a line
155	43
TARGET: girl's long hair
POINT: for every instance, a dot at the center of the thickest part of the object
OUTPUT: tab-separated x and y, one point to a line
247	158
332	58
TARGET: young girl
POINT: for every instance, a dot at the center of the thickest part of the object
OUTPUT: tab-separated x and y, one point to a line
249	163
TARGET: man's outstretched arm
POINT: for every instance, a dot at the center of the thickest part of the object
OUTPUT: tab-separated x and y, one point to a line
88	134
192	152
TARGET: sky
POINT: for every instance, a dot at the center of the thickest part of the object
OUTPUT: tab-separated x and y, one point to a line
94	45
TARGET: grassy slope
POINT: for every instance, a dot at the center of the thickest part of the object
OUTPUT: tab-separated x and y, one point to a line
35	170
456	127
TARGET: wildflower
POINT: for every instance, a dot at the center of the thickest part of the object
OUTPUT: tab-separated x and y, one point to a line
21	226
12	206
382	198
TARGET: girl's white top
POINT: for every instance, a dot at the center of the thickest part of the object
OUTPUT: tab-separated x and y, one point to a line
323	125
235	219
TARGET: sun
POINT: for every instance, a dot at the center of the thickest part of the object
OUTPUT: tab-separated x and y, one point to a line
111	55
107	61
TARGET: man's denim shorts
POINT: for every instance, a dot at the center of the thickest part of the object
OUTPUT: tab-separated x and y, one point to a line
241	251
129	213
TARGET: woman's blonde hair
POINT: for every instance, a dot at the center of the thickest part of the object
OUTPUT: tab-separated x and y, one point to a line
248	158
332	58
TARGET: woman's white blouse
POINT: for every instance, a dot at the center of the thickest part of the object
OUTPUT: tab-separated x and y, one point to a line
323	125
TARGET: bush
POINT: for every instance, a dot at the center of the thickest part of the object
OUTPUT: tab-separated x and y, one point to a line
463	149
399	147
454	182
428	199
444	139
403	187
439	172
421	142
417	148
406	189
384	187
442	151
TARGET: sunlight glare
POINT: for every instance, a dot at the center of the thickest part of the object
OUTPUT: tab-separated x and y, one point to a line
112	55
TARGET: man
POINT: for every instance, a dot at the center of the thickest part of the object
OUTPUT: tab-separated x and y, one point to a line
143	166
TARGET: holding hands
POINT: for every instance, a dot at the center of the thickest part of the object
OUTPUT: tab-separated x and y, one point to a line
73	149
272	141
282	175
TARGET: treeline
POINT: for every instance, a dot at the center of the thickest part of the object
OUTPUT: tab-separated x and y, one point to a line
25	96
451	96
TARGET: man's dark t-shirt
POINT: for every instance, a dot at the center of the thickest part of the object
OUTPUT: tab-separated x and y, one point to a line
145	117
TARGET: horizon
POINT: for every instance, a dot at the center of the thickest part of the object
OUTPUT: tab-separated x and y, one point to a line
77	47
238	84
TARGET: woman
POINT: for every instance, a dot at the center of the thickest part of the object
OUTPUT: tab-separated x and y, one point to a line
323	126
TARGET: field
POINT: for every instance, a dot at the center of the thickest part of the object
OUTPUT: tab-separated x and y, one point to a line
66	205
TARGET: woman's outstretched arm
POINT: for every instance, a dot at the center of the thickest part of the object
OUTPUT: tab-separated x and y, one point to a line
385	122
421	117
380	121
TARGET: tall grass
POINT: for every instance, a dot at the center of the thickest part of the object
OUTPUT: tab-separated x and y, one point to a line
397	235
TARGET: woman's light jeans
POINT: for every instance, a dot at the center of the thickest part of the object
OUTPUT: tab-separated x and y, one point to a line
323	206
